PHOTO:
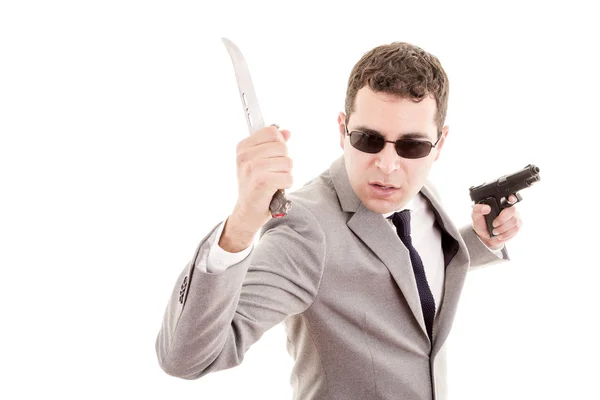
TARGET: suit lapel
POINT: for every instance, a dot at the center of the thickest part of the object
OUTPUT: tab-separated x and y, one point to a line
373	230
456	261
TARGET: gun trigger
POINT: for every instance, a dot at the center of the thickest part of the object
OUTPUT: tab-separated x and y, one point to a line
507	203
518	196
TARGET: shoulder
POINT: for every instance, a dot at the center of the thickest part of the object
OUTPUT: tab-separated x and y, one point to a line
310	206
431	190
317	196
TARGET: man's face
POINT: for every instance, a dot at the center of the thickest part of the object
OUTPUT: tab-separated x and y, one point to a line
392	117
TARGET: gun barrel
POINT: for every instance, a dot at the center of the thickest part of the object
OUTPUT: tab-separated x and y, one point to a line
523	178
512	183
535	175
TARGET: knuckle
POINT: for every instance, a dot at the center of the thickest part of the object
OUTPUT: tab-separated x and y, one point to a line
278	149
241	145
274	134
247	169
241	157
260	181
283	148
259	165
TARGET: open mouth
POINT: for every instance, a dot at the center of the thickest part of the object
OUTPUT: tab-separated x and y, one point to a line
382	190
381	185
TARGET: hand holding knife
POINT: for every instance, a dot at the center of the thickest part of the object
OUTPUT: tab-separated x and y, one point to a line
279	205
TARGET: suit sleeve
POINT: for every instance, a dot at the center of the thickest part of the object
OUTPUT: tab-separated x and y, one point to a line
495	252
212	319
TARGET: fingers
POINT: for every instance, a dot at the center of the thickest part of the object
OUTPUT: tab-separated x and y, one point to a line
507	228
264	150
265	135
282	180
509	233
504	216
480	210
286	134
268	142
277	164
504	227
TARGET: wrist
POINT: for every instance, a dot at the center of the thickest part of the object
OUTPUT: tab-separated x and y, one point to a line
236	236
486	242
495	247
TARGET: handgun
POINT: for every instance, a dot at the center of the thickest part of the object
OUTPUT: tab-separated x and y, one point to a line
496	193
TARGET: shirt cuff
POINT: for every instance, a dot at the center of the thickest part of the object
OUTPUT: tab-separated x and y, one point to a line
496	252
219	260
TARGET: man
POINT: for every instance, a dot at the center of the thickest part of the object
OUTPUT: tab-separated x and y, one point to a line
367	301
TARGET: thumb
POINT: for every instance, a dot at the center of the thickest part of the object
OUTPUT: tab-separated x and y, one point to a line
479	211
286	134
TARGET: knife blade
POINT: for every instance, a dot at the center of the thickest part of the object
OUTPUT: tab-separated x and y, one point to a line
279	205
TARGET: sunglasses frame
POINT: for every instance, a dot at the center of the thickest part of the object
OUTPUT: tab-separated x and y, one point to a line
431	145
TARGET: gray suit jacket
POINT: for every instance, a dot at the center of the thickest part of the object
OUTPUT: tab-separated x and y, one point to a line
342	282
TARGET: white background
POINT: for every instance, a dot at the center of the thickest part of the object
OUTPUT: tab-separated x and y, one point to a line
119	121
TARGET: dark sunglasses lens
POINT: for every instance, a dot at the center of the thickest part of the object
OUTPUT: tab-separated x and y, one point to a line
412	148
367	142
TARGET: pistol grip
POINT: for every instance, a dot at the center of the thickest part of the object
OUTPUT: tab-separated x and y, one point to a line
491	216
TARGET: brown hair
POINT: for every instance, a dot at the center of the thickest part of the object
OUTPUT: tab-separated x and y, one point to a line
402	69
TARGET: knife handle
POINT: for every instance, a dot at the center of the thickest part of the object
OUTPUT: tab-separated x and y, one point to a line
279	206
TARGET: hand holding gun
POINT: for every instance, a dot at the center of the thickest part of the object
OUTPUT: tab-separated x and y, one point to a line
496	193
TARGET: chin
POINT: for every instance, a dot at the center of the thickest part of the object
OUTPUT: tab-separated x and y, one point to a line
382	206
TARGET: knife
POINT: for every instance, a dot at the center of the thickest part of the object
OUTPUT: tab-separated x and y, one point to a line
279	206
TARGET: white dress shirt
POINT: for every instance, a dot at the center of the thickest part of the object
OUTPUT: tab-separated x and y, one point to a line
426	237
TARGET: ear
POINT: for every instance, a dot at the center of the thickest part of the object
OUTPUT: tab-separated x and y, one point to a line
341	125
440	144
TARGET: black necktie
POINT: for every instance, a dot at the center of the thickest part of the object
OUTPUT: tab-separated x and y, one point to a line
402	222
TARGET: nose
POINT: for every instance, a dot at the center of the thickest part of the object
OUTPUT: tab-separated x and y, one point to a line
387	159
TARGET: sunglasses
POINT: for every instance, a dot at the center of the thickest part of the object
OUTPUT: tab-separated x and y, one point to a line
374	143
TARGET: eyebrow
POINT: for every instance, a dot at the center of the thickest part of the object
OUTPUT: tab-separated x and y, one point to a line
408	135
